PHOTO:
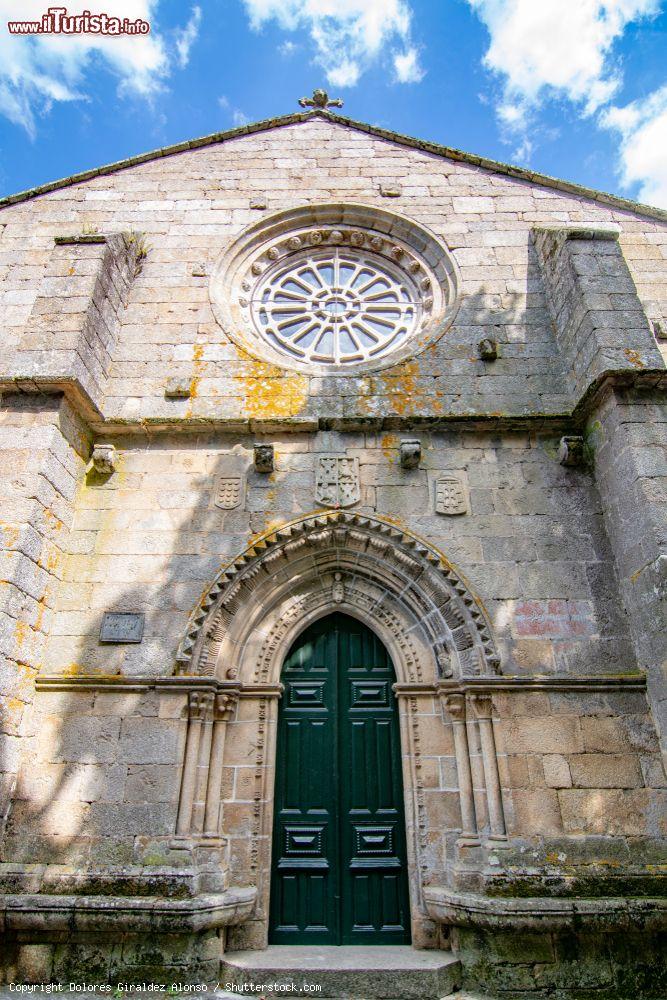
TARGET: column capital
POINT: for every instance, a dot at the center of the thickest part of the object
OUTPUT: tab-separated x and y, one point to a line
200	705
482	705
455	704
225	703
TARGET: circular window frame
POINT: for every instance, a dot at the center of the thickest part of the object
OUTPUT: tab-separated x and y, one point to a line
397	243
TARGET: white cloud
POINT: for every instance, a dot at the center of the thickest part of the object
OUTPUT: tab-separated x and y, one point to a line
556	48
187	36
38	70
287	48
348	35
406	65
642	126
523	151
546	49
237	116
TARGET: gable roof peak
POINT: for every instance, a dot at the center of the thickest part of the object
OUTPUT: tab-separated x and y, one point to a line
320	107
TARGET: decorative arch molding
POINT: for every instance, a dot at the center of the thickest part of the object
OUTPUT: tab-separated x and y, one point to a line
403	588
406	257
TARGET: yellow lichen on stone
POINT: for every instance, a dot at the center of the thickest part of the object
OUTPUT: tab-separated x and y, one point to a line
270	392
400	387
72	669
197	371
634	358
10	535
20	632
389	443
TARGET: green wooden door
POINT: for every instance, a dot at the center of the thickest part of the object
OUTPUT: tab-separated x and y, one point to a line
339	873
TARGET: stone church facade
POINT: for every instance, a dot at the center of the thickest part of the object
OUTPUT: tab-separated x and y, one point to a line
312	375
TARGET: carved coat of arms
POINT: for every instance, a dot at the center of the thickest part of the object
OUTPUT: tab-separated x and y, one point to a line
337	481
451	495
228	492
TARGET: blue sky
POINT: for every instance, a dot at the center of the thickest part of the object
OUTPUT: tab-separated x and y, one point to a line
572	88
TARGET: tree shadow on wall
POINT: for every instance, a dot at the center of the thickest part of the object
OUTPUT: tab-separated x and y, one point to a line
98	788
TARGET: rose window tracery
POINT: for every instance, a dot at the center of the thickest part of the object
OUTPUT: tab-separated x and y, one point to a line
335	307
335	289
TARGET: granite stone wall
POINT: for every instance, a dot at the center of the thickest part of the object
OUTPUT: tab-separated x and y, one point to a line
150	538
136	780
41	447
192	204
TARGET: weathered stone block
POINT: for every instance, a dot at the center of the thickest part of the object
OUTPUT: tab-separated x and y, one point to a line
605	770
552	735
557	771
148	741
605	811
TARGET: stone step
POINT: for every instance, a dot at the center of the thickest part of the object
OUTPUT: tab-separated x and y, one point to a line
345	973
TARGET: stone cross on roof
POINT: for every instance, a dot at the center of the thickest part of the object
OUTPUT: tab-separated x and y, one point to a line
320	99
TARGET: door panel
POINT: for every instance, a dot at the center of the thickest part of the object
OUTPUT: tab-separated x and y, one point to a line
339	871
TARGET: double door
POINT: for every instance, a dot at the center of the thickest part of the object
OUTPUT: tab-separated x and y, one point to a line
339	873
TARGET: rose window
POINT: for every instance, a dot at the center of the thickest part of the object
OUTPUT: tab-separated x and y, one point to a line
334	289
335	307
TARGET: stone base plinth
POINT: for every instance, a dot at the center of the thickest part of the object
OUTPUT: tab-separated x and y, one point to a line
116	940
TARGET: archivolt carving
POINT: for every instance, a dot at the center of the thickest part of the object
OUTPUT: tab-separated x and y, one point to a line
431	623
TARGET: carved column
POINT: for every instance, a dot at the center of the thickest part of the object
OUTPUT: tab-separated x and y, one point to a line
483	708
197	819
196	709
224	709
455	704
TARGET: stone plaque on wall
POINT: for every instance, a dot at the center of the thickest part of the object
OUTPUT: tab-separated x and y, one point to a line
451	494
337	481
228	492
122	626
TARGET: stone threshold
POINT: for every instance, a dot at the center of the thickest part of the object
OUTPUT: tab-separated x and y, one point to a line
360	972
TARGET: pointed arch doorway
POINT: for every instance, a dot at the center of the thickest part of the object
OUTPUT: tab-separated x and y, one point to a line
339	868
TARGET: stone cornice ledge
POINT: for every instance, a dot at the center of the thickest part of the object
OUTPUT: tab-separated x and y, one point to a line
543	913
151	427
518	682
114	683
132	914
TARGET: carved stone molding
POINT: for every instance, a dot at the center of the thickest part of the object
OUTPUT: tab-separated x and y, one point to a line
337	481
397	249
394	581
451	494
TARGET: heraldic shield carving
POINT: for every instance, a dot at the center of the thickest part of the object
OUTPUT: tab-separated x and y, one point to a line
228	492
451	495
337	481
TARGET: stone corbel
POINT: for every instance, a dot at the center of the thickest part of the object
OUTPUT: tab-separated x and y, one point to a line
104	459
411	453
482	706
455	705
